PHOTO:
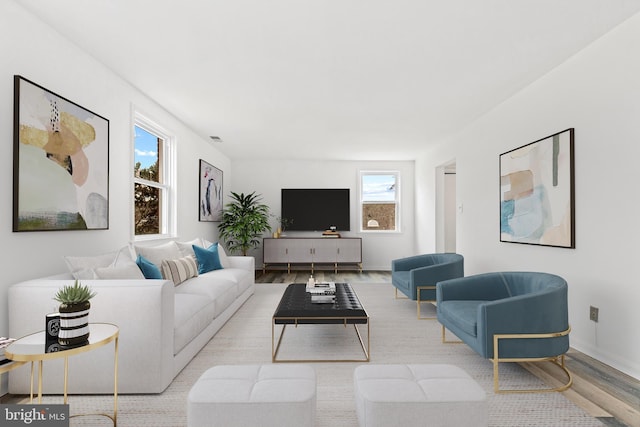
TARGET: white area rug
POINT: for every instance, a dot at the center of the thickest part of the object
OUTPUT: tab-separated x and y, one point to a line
396	337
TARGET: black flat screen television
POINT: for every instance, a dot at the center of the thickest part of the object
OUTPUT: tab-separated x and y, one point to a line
316	209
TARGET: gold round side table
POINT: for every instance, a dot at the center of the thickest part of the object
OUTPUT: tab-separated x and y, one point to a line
31	348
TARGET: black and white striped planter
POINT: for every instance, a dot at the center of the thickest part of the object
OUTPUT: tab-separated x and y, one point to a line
74	324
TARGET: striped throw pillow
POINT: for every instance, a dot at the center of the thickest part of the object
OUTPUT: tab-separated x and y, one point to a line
180	269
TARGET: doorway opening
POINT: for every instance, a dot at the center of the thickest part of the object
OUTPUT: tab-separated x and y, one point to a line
446	210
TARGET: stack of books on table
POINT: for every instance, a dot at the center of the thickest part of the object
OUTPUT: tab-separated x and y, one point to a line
330	233
4	343
323	293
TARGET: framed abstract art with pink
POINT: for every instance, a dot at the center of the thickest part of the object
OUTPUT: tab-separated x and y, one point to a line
60	162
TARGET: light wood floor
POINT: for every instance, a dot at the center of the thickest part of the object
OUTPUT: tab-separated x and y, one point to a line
605	393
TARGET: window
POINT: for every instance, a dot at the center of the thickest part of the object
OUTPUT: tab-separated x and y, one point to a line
380	201
152	180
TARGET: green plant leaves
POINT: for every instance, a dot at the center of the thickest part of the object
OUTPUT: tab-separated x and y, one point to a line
72	294
244	220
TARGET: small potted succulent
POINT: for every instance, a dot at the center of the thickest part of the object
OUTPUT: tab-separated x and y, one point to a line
74	314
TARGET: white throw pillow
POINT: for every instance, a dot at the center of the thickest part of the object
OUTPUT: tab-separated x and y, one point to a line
224	260
82	268
156	254
186	248
129	272
122	267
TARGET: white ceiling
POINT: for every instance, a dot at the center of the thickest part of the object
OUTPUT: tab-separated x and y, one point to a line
339	79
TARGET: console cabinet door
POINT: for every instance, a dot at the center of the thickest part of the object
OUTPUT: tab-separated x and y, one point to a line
299	250
325	250
349	250
274	251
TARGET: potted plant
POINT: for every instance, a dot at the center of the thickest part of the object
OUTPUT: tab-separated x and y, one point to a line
244	220
74	314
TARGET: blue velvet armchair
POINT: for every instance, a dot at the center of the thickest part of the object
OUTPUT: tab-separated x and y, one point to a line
416	276
508	317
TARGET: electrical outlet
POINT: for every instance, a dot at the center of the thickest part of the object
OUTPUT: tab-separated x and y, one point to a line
593	313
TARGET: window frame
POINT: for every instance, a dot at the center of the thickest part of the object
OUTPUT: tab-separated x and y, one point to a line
397	201
167	166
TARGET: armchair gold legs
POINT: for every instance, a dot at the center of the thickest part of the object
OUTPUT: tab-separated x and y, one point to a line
444	338
419	301
557	360
419	290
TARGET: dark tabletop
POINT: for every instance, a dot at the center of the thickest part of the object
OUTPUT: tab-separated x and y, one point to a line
296	303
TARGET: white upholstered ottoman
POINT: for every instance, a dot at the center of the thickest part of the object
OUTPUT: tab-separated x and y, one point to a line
253	395
434	395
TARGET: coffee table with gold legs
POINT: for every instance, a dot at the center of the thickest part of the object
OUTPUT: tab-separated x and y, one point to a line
296	308
31	348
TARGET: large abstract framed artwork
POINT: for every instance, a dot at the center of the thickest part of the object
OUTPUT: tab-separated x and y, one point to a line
537	203
210	192
60	162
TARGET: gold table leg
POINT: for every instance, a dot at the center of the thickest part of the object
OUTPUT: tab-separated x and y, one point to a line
40	381
365	349
66	377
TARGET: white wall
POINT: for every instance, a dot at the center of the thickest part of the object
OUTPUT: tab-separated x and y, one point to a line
269	177
33	50
597	92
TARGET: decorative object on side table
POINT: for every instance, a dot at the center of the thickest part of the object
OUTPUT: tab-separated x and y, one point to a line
74	314
51	331
281	226
4	343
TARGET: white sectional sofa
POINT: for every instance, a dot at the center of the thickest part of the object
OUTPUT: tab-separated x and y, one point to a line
162	325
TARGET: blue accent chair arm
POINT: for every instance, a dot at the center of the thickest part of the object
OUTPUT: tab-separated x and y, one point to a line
407	274
525	314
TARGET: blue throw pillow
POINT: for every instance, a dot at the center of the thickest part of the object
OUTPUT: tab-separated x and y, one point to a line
149	269
208	259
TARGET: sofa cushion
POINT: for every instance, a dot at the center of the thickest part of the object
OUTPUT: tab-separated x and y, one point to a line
401	279
156	254
223	292
236	275
208	259
463	314
149	269
180	269
193	313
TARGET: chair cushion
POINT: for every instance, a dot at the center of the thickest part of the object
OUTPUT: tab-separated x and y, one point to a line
463	314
